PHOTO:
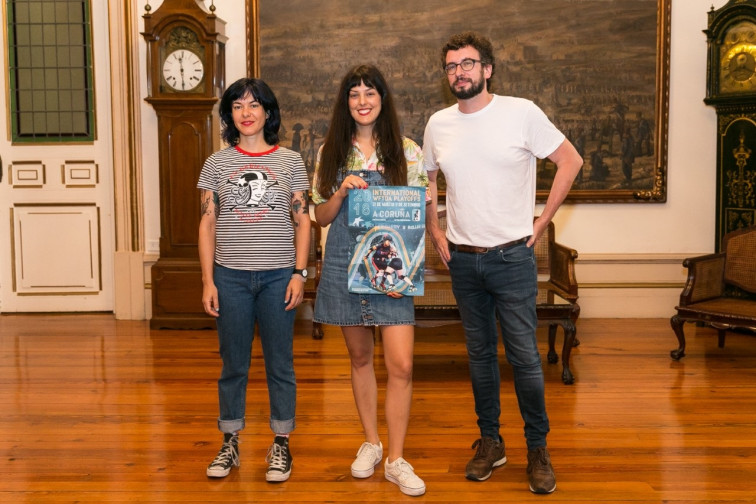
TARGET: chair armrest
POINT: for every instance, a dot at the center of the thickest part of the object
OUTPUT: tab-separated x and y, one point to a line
318	264
315	260
562	270
705	278
434	265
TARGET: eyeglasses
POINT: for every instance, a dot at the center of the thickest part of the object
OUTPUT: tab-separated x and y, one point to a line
467	64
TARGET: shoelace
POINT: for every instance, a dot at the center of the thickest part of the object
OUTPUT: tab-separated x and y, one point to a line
482	448
277	457
367	451
406	470
227	453
541	461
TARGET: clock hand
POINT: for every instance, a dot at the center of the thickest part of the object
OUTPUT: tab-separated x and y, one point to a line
181	70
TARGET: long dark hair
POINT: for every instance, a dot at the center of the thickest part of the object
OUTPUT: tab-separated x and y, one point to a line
337	146
264	96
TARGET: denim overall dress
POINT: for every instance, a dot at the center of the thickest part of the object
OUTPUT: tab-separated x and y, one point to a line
334	304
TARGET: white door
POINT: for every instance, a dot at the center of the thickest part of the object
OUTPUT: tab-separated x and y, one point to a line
56	199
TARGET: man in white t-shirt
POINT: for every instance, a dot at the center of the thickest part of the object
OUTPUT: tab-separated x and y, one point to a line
487	146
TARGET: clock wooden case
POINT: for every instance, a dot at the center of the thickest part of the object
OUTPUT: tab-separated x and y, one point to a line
731	89
185	74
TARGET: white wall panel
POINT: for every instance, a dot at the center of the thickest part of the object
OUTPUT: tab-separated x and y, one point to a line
27	174
80	174
56	249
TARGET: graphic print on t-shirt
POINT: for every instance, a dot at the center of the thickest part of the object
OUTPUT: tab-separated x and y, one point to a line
251	194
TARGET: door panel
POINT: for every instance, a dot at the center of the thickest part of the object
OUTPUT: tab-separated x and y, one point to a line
70	269
56	200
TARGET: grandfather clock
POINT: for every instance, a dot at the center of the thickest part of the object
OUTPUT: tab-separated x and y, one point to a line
185	74
731	89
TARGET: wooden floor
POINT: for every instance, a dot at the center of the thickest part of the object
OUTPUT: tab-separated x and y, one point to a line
94	410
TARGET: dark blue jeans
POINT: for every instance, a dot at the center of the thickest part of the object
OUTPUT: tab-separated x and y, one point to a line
246	297
502	283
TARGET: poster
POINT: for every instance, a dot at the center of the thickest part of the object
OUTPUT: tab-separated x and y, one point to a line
387	226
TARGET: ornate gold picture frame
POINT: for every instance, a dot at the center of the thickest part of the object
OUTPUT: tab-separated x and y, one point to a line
598	68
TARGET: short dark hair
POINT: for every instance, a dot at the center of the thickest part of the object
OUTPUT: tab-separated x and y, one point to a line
476	41
262	93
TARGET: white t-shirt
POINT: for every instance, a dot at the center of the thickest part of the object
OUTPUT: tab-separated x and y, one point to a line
254	230
489	162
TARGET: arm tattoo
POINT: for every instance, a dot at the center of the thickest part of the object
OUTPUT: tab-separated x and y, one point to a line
204	203
205	198
299	203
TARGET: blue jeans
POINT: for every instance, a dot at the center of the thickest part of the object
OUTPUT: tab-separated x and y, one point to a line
246	297
504	283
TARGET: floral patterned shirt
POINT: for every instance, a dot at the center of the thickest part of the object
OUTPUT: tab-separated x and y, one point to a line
416	175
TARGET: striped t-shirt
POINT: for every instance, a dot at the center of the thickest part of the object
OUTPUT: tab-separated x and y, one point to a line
254	229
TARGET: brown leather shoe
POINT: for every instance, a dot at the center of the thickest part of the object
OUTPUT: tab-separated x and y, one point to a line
540	472
490	454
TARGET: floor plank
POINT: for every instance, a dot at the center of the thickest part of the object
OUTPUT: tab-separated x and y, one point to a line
96	410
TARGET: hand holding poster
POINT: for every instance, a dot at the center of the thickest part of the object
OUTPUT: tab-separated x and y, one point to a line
387	225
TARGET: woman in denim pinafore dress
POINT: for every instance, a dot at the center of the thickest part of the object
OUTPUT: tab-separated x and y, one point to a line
364	148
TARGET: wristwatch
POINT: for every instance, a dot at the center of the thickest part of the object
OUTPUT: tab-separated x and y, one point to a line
300	272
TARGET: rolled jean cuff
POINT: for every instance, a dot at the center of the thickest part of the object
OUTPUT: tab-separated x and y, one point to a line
230	426
282	426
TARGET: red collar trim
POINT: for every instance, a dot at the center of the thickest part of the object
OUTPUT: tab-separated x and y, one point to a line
256	154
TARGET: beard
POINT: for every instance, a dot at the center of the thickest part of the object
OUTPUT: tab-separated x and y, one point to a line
474	90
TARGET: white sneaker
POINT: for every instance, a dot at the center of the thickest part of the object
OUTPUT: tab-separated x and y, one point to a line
403	474
368	456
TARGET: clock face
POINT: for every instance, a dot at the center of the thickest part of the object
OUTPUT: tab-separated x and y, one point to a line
183	70
738	60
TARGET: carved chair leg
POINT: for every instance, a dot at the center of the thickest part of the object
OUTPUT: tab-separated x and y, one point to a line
721	337
317	330
569	342
552	356
574	317
677	325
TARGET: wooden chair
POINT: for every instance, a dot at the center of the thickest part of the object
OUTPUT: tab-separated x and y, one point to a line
720	290
314	267
556	304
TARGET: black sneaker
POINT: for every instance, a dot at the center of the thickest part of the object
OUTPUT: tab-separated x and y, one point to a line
279	460
540	473
490	454
227	457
